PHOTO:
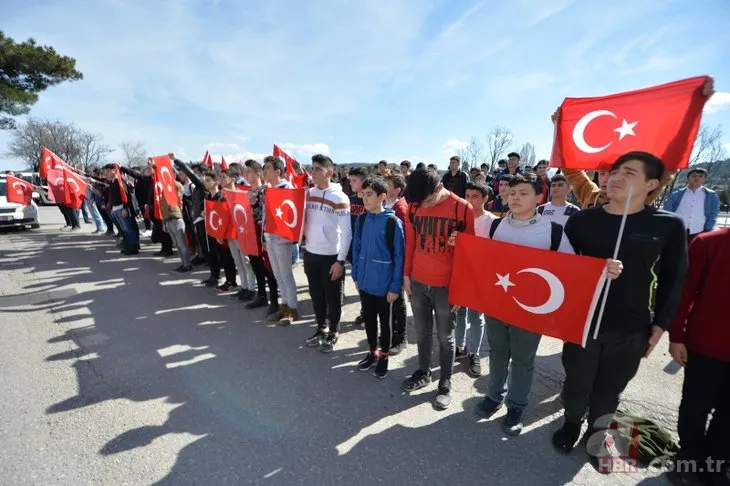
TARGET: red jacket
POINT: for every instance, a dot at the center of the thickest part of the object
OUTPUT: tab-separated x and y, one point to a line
702	321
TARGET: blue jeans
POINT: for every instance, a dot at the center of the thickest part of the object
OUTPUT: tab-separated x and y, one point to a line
295	254
427	302
510	381
91	206
128	231
473	322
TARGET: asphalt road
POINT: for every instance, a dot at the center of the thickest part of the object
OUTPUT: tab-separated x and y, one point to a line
116	370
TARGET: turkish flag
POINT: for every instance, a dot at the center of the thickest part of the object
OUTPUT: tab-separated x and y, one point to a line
19	191
120	183
218	220
224	164
55	185
49	160
166	176
591	133
541	291
294	179
285	212
207	160
74	189
157	197
242	221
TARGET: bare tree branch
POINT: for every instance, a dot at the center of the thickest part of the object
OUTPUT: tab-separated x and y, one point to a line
472	155
498	141
527	154
134	153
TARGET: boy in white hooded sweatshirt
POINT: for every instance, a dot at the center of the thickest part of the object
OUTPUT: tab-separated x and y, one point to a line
328	234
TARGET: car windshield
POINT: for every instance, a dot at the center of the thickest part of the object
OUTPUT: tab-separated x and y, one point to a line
3	188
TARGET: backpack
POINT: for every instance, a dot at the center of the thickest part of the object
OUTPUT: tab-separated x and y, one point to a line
568	212
556	233
460	223
389	230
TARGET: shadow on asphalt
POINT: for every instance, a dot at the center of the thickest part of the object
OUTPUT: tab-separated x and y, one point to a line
265	408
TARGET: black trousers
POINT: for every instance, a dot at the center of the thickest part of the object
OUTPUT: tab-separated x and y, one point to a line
158	234
706	387
325	292
264	276
69	215
223	259
202	238
106	217
376	308
595	376
399	321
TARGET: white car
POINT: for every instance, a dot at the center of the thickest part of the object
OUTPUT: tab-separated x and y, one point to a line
16	215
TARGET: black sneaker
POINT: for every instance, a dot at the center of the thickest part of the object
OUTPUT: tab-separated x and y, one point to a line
565	437
261	301
197	261
226	287
315	339
512	424
163	253
109	233
245	294
183	269
359	320
460	354
443	396
416	381
475	366
210	282
487	407
273	308
328	345
381	369
396	349
367	362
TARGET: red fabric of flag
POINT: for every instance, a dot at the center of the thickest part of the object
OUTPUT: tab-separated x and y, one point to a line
591	133
166	175
224	164
19	191
48	161
55	185
291	174
157	198
74	189
284	214
243	221
120	183
207	160
545	292
218	220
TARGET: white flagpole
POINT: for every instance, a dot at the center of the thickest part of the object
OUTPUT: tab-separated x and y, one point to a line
615	256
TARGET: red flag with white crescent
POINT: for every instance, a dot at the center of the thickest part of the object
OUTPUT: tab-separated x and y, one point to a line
19	191
55	185
284	214
591	133
74	189
218	220
242	220
166	175
294	179
48	161
156	197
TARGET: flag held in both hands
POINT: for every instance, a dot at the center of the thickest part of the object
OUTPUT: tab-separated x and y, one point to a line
19	191
165	175
218	220
285	213
74	189
591	133
243	221
545	292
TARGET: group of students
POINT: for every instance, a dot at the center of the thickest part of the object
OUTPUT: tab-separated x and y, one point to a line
397	229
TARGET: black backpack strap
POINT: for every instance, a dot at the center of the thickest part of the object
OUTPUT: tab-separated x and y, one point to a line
494	226
540	209
390	234
460	223
556	235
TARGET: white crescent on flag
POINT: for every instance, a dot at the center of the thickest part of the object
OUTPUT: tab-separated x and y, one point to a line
158	190
217	226
164	170
280	213
557	291
75	184
19	188
241	225
580	128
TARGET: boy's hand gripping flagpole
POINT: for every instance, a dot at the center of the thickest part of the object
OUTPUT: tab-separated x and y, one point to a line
615	257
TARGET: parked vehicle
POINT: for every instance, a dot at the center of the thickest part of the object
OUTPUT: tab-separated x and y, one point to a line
16	215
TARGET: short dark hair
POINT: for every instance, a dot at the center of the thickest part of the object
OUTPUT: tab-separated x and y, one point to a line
505	177
653	165
109	167
196	167
383	162
398	181
377	184
484	165
455	157
695	170
478	187
433	166
277	163
513	154
407	163
422	183
501	162
420	165
542	162
211	174
559	178
254	165
323	160
358	172
530	179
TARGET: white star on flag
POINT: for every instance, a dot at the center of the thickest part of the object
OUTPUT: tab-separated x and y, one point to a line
626	128
504	282
279	213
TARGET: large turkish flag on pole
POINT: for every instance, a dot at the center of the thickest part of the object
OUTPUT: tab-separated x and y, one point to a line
166	176
284	214
243	221
541	291
591	133
19	191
